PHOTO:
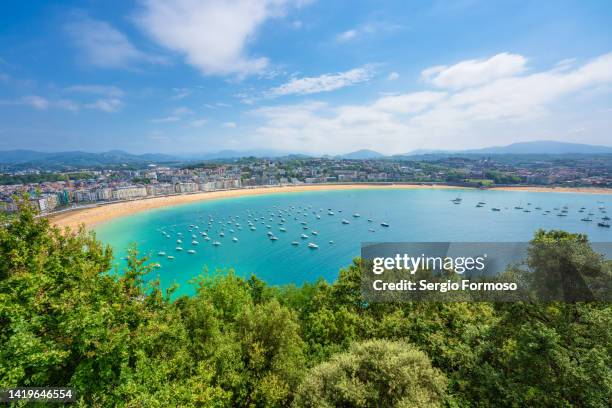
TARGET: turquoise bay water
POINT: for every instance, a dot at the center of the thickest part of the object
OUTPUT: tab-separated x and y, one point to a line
412	215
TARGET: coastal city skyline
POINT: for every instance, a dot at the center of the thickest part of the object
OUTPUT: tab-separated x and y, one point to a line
302	76
306	203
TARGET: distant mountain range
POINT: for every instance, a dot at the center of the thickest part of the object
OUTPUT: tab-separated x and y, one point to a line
537	147
364	154
235	154
22	159
79	159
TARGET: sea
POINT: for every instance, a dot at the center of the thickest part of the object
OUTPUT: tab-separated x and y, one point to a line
337	222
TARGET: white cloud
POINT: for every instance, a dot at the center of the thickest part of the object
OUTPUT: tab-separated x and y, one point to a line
409	103
367	29
565	64
323	83
68	105
212	35
475	72
108	105
181	110
166	119
102	45
198	123
393	76
346	35
177	114
42	103
36	102
180	93
104	90
506	109
230	125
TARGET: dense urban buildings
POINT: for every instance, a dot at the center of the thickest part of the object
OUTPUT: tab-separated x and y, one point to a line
55	190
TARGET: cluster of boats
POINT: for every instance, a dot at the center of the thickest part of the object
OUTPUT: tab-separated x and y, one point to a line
559	211
285	218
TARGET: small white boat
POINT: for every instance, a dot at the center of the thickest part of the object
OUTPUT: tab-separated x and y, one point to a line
161	253
234	239
273	238
295	243
221	234
356	215
216	243
283	229
156	265
179	248
170	257
331	242
191	251
314	232
178	241
312	245
345	222
384	224
304	236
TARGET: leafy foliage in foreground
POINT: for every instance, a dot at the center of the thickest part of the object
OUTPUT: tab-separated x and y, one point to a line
64	320
374	373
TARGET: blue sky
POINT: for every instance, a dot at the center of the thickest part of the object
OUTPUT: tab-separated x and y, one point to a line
186	76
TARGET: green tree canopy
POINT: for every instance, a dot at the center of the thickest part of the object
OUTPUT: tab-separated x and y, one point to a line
374	373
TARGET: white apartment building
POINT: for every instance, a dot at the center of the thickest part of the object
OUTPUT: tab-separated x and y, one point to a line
186	187
129	193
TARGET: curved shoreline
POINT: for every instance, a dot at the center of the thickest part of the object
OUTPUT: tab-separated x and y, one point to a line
101	213
91	216
553	189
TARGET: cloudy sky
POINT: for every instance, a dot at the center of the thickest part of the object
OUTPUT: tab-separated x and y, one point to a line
185	76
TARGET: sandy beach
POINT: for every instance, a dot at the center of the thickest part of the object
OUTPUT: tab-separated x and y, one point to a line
95	215
105	212
533	189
